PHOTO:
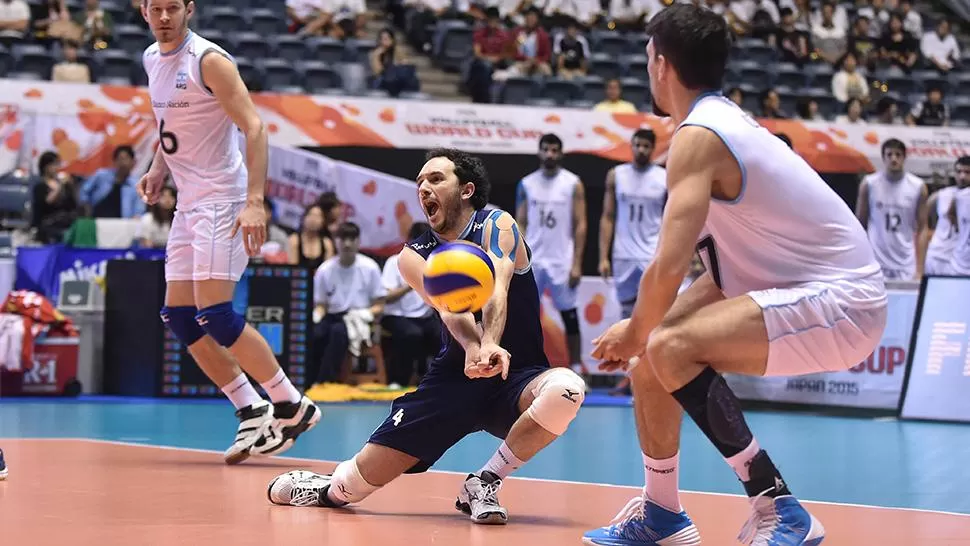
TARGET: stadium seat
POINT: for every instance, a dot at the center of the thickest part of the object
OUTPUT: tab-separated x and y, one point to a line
121	12
961	82
452	46
542	101
277	73
287	89
960	109
517	90
604	66
318	76
328	50
788	74
113	63
931	78
592	88
248	72
131	38
290	47
581	104
635	90
360	49
265	21
14	204
903	85
34	59
636	65
638	43
753	73
613	44
414	95
215	36
227	19
250	44
561	91
6	61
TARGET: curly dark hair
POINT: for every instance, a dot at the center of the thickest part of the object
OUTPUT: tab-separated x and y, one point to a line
468	169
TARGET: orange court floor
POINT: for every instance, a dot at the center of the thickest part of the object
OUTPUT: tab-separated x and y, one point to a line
76	492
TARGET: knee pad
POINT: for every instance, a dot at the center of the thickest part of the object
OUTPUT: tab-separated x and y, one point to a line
348	485
558	397
181	321
626	308
221	323
570	320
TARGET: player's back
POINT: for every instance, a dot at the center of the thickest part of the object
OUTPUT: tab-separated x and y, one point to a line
892	225
199	140
640	196
549	225
960	261
787	227
944	236
522	336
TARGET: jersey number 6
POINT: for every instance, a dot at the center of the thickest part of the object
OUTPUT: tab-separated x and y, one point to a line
169	143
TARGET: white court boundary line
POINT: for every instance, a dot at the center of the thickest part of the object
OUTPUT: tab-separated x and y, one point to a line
520	478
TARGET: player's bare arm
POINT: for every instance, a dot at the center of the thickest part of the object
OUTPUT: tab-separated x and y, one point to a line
690	183
222	77
951	213
862	204
461	325
579	233
522	209
921	240
502	243
607	223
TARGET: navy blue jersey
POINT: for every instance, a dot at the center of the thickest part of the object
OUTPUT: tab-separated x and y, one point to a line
522	337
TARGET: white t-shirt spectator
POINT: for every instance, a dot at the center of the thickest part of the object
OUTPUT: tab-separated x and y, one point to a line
632	9
156	234
411	305
341	288
943	50
913	23
847	86
17	10
583	11
840	17
350	7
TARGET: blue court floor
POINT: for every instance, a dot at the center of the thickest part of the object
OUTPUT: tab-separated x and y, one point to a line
877	462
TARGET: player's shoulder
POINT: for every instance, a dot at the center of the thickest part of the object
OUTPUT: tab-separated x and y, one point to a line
569	176
914	180
502	218
151	53
422	244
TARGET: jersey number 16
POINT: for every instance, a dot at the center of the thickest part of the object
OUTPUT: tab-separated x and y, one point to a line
167	139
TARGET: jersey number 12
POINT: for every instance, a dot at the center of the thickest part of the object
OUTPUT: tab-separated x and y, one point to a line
892	222
167	139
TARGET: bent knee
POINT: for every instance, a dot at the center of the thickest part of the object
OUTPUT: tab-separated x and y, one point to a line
667	345
558	397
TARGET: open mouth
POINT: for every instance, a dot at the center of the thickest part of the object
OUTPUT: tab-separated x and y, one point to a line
431	208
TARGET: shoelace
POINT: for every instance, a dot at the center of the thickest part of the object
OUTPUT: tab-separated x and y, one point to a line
306	492
632	510
488	493
760	526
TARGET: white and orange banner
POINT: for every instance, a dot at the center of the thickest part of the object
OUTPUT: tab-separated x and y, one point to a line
84	122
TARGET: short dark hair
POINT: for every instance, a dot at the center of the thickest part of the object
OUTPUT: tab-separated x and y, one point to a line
646	134
347	230
550	138
695	41
46	159
418	229
893	144
468	169
123	149
964	161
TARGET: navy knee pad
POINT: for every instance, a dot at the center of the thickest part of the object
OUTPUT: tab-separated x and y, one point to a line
570	321
221	323
181	321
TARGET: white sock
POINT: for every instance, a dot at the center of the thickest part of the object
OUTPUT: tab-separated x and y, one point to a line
280	389
241	392
741	463
503	462
661	482
347	485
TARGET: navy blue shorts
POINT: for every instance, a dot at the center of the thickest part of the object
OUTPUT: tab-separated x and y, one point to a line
445	408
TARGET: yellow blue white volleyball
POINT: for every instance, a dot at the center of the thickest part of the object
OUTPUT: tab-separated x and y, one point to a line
459	277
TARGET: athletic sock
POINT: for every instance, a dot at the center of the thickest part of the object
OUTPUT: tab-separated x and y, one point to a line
717	412
240	392
661	478
741	462
503	462
280	389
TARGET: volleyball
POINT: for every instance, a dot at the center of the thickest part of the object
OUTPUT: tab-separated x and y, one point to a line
459	277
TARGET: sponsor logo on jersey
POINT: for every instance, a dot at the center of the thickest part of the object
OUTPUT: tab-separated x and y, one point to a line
182	80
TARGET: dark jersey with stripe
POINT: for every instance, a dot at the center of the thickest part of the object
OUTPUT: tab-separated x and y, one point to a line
522	336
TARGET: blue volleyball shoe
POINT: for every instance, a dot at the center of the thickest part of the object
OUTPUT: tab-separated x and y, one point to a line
780	521
643	523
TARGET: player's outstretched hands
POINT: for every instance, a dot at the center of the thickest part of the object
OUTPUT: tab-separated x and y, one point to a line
252	222
150	187
617	346
494	360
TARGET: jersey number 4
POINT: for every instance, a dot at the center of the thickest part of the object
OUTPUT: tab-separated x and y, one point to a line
397	417
167	139
706	245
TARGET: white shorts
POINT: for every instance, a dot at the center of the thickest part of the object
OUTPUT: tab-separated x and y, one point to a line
563	297
898	274
199	247
822	327
626	279
936	266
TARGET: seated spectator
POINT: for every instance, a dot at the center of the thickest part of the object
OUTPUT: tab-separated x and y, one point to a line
70	70
887	112
765	17
346	287
274	233
875	13
853	113
308	17
801	11
771	105
614	102
897	46
848	83
333	211
427	13
349	18
110	192
632	15
388	64
829	38
52	22
312	245
863	45
54	202
156	224
534	51
14	21
737	97
415	329
571	51
807	109
491	45
940	48
931	111
792	42
912	20
840	16
557	12
97	24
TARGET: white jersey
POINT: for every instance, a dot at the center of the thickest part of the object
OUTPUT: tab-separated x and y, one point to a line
960	262
199	140
640	198
549	225
787	227
944	236
893	220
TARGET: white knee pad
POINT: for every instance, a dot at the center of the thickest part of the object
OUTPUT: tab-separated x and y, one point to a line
347	485
558	397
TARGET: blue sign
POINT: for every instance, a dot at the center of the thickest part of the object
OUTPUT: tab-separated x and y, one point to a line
42	269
